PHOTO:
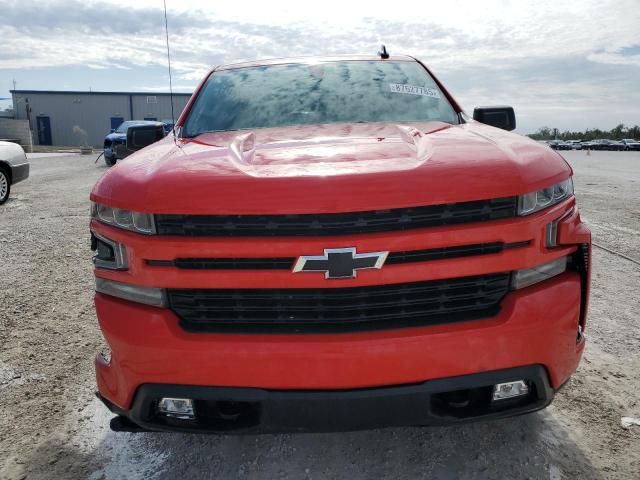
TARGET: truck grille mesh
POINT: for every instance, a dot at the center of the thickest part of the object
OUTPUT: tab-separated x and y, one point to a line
327	310
336	223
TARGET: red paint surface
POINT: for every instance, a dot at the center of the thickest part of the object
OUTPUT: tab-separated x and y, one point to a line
329	168
337	168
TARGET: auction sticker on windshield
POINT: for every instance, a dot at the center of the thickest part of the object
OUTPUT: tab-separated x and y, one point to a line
414	90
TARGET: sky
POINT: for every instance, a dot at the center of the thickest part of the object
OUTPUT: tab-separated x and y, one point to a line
570	64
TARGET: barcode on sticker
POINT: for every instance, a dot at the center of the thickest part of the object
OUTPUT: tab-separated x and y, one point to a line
414	90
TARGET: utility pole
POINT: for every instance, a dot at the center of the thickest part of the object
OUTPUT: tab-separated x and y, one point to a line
13	100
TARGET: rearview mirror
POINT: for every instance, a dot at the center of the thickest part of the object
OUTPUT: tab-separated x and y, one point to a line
140	136
500	117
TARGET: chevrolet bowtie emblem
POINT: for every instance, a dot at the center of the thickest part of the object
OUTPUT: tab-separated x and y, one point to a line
340	262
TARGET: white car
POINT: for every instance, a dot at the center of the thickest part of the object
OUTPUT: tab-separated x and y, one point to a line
14	167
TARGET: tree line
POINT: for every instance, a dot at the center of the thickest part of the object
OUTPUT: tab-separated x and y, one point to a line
617	133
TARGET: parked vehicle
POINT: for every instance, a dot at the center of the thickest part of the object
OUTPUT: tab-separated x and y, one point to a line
344	249
599	144
168	125
575	144
14	167
616	145
560	145
605	144
115	142
631	144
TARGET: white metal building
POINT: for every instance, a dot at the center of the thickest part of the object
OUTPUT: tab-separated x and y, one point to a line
84	118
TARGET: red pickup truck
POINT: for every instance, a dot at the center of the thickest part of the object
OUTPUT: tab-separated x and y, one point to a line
333	244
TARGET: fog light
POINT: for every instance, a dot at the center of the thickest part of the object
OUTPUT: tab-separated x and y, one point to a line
502	391
181	408
105	354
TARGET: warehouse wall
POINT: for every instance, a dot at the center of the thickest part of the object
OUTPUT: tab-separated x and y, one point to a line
71	114
11	129
156	107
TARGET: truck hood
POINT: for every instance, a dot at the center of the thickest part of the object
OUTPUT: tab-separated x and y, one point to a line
116	136
329	168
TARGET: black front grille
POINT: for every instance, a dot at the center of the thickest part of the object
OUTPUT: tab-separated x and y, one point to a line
327	310
336	223
443	253
286	263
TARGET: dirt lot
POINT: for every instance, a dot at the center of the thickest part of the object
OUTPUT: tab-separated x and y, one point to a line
51	426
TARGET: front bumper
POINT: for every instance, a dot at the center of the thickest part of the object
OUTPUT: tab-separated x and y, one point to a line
251	410
536	325
19	173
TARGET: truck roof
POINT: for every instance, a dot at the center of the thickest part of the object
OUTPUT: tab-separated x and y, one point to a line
314	59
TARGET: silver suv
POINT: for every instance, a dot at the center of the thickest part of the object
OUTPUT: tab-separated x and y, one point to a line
14	167
631	144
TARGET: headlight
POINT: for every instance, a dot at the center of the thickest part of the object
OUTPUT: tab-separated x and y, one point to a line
134	221
535	201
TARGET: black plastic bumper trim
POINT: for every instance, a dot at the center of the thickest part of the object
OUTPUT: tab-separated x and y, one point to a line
274	411
19	173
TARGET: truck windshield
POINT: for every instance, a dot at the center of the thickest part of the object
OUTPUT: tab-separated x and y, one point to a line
124	126
302	94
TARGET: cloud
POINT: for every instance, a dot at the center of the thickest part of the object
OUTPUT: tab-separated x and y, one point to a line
94	18
615	58
544	57
163	88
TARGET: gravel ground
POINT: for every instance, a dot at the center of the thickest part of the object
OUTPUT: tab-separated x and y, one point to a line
51	426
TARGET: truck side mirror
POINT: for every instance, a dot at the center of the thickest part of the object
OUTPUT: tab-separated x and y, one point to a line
140	136
500	117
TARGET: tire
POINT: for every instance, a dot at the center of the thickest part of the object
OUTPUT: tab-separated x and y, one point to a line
110	161
5	185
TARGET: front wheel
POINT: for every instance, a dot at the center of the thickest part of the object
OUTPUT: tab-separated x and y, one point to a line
110	161
5	186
